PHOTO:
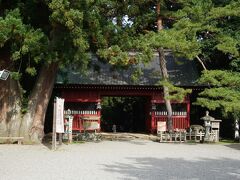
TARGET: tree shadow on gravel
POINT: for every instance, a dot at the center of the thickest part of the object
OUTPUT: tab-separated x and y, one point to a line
47	141
176	168
234	146
47	144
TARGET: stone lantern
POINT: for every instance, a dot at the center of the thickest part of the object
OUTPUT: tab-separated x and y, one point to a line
207	124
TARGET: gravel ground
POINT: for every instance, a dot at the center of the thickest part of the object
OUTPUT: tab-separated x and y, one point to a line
136	159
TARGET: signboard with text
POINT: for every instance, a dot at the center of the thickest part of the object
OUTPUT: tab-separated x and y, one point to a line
59	115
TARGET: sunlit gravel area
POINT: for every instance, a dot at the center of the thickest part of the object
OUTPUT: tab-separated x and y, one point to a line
109	160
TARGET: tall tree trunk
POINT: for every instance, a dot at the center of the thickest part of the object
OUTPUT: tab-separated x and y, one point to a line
10	103
32	127
10	108
165	76
163	67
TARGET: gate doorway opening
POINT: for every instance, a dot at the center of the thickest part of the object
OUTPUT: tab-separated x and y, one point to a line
129	114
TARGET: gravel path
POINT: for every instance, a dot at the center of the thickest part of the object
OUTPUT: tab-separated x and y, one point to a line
109	160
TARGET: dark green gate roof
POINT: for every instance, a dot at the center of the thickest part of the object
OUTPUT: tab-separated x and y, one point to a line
182	72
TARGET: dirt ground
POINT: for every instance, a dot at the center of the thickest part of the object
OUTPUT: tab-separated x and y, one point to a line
120	159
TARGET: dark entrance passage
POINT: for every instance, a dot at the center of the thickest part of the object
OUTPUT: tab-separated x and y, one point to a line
129	114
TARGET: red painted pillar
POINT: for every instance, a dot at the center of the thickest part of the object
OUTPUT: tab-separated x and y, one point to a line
188	113
153	124
153	128
99	120
99	107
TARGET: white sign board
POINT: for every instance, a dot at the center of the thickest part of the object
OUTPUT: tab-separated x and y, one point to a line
161	126
59	115
215	125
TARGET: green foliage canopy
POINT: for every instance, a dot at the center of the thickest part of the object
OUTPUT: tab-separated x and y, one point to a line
58	35
175	93
22	39
224	92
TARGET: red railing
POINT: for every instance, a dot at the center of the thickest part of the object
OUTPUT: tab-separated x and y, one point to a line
76	126
179	122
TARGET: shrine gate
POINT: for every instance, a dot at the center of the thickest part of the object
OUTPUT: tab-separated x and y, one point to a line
83	92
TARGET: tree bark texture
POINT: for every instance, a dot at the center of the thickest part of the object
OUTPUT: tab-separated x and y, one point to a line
163	67
32	127
10	103
10	108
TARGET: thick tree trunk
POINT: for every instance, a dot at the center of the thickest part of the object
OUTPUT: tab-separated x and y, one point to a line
10	108
10	103
32	127
163	67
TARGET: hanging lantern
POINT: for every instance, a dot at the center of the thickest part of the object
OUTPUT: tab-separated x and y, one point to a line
99	106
